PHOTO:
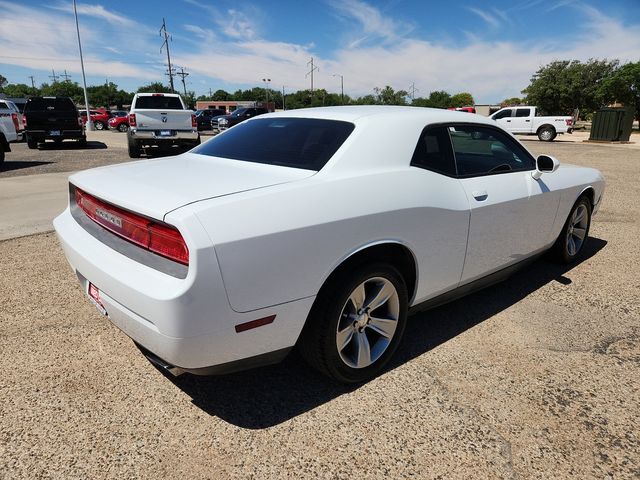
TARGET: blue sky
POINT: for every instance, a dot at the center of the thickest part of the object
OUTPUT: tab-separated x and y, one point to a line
488	48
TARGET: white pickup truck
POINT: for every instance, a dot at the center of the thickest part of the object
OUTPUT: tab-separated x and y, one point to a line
523	120
8	123
160	120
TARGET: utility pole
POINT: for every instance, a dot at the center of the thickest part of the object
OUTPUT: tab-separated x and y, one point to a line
266	89
66	76
183	74
341	86
310	72
413	90
210	93
165	43
54	77
84	79
33	83
283	103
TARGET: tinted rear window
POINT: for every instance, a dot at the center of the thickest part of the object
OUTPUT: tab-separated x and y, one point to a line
159	103
59	104
289	142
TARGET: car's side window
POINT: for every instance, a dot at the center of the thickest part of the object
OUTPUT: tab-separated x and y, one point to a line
523	112
434	152
503	114
481	150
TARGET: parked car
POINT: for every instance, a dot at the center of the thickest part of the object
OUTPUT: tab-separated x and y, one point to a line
8	132
100	118
53	118
240	115
119	121
317	228
204	117
463	109
524	120
162	121
8	109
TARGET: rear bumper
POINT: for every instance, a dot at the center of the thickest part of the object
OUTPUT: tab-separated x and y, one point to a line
155	135
188	323
41	135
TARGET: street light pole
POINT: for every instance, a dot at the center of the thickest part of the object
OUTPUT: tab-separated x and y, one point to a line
341	86
84	80
266	90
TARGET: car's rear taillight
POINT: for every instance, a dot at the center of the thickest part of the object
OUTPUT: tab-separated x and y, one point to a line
80	121
194	123
132	119
16	123
24	121
156	237
569	121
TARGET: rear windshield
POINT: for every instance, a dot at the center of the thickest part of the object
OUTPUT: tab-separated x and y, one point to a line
159	103
58	104
289	142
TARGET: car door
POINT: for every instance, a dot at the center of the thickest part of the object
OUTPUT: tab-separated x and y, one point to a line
521	121
503	117
442	225
511	213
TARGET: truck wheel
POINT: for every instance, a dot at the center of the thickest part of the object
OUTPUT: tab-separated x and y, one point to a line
82	143
134	148
546	134
1	155
32	143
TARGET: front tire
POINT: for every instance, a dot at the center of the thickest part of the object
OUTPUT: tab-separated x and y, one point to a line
547	134
98	125
123	127
356	323
574	233
32	143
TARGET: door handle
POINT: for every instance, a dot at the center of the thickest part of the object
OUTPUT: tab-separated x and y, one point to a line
480	195
527	120
508	120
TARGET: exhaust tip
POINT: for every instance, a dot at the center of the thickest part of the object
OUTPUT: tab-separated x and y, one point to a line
160	363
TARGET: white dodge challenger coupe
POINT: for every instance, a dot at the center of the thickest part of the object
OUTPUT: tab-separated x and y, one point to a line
316	228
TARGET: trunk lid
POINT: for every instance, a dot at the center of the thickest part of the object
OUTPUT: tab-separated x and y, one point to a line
156	187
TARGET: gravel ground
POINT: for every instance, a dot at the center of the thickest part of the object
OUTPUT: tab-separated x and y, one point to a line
538	377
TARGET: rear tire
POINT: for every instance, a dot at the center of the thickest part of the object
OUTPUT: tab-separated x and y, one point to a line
32	143
134	149
575	232
356	323
98	125
123	127
82	143
1	155
547	134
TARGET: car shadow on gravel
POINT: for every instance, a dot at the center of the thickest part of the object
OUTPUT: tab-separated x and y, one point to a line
91	145
268	396
10	165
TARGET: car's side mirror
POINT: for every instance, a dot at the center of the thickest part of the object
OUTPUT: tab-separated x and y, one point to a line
545	164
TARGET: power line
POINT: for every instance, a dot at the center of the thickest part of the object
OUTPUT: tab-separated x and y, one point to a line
310	72
165	43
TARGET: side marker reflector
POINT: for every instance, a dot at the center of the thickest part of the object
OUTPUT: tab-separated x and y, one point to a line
241	327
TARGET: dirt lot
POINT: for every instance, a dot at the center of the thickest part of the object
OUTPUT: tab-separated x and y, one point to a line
538	377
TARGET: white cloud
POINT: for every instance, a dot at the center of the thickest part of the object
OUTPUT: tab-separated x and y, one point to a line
486	16
96	11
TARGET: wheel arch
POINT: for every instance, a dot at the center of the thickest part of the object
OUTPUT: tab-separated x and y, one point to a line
590	193
394	252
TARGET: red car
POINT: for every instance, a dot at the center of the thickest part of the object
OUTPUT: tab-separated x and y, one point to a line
463	109
100	118
120	121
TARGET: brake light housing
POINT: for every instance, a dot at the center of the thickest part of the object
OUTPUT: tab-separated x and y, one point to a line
194	123
132	120
16	123
157	237
569	121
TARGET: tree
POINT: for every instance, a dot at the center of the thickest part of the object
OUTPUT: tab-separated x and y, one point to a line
564	85
462	99
63	89
3	82
511	102
154	87
19	90
436	99
221	95
388	96
107	95
623	86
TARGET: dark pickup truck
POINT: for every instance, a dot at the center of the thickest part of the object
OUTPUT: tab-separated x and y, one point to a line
53	118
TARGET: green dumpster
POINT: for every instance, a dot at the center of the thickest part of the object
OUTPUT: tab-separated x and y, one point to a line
612	125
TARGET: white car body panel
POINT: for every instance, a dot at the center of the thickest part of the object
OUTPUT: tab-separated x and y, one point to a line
263	239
